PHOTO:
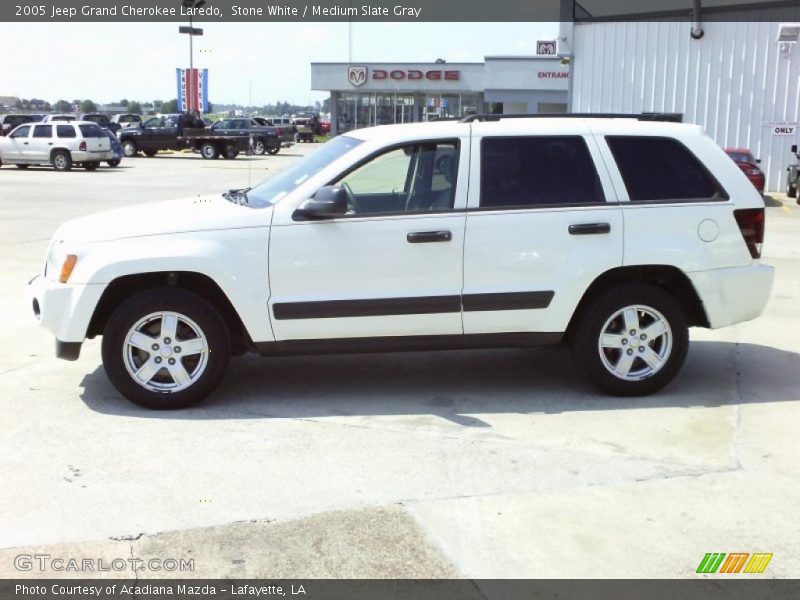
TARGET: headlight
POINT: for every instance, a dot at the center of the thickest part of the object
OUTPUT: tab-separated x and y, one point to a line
59	263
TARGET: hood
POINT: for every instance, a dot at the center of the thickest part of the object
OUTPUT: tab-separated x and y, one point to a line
199	213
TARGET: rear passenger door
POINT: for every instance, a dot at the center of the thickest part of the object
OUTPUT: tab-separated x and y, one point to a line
40	144
543	222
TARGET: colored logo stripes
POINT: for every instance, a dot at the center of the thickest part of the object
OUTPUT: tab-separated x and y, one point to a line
735	562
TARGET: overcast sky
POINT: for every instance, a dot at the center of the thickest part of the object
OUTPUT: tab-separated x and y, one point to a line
106	62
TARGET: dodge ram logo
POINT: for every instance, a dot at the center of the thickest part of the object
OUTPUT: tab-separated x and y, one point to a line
357	75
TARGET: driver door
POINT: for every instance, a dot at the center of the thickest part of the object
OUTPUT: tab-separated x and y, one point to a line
392	266
17	145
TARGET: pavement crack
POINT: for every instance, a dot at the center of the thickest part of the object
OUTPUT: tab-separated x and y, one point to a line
127	538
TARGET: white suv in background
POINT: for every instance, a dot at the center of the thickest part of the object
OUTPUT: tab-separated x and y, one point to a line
612	235
60	144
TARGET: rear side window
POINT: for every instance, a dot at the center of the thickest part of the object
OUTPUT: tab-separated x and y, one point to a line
91	131
662	169
537	171
65	131
43	131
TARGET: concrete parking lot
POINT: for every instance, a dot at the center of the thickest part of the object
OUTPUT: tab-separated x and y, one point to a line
484	464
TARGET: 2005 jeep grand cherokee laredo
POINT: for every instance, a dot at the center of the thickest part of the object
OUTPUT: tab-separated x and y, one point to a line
613	235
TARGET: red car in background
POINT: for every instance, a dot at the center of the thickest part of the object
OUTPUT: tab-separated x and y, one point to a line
325	126
749	164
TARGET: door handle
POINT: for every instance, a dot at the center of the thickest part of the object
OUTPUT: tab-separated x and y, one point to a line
589	228
426	237
25	143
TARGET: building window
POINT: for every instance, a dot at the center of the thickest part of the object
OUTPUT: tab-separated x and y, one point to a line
520	172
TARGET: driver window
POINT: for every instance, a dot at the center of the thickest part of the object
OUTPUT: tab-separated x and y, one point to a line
154	122
415	178
22	132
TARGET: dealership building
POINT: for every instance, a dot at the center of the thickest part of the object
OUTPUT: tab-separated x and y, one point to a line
733	71
366	94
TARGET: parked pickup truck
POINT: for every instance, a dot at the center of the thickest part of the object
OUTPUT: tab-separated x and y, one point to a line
180	132
283	128
265	138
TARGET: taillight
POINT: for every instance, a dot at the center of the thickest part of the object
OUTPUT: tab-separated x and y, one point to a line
82	147
279	132
751	224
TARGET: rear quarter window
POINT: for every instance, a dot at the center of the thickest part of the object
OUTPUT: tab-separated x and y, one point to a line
91	131
65	131
662	169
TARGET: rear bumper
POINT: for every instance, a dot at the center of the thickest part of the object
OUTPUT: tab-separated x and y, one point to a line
733	295
79	156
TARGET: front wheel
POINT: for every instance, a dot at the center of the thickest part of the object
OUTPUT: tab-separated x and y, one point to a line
166	348
129	148
632	340
259	146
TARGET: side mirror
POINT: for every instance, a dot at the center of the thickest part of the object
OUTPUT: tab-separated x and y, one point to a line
328	203
794	148
758	161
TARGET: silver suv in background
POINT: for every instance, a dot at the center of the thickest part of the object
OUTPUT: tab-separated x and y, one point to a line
61	144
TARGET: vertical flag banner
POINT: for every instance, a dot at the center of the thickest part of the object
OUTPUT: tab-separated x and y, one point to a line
192	90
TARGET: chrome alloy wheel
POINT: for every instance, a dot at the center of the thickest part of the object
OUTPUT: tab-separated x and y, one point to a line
165	352
635	343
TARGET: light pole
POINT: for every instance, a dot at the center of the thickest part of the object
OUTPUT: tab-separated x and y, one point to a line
191	32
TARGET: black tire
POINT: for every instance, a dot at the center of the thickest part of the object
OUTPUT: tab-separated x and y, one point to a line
259	146
91	166
209	150
586	340
62	160
20	166
114	163
274	150
129	148
188	304
230	152
791	190
150	152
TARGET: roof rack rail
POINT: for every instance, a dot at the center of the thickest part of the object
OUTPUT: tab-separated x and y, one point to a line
669	117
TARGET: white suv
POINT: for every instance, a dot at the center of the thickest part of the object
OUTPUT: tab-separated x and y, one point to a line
611	235
59	144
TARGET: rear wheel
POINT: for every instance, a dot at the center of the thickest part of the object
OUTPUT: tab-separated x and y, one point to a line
62	160
632	340
274	150
129	148
19	166
209	150
230	152
166	348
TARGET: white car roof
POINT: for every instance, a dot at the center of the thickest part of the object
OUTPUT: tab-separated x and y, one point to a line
532	126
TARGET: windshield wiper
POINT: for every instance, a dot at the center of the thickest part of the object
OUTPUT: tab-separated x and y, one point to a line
237	196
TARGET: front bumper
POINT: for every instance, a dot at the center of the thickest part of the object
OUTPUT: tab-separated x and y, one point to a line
733	295
64	310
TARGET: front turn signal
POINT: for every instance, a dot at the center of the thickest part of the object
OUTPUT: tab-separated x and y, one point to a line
67	267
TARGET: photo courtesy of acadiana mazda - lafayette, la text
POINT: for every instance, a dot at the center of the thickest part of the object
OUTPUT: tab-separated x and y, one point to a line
613	235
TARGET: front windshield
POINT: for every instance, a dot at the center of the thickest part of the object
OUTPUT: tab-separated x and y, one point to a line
273	189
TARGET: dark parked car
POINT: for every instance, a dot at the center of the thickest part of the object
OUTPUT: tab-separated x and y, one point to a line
178	132
749	165
116	148
794	175
9	122
103	120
